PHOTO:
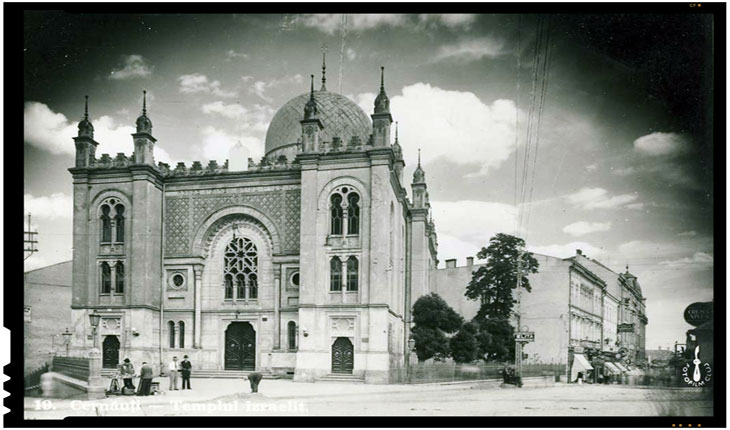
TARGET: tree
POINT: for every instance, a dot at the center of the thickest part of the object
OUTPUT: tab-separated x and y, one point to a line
433	317
493	285
464	345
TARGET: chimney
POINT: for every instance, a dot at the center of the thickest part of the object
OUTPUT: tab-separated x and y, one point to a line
451	263
469	261
579	252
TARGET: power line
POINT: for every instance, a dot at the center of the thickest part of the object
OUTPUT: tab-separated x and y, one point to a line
30	240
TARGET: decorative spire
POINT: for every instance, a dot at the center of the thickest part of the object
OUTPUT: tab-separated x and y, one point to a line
382	103
85	126
419	176
396	134
310	109
324	68
144	125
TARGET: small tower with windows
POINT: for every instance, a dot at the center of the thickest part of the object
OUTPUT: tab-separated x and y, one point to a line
311	125
144	142
381	115
85	143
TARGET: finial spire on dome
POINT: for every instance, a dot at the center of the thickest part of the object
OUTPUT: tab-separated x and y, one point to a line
419	157
144	102
419	176
310	109
396	132
382	78
144	125
324	68
86	108
85	127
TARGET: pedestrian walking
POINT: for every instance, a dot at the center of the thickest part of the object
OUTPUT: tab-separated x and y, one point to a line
145	381
127	371
254	378
173	369
186	367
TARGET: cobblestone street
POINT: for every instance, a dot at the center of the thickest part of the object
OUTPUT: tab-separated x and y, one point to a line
282	397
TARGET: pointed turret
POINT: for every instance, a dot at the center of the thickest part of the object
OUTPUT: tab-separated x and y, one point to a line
381	115
311	125
324	73
419	176
418	187
85	143
144	142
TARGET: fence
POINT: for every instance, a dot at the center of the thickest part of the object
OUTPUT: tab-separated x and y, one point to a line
448	372
33	379
73	367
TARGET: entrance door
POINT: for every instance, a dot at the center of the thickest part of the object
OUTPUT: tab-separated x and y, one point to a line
240	347
110	352
342	355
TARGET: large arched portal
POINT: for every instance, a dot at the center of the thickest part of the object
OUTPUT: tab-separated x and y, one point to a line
110	352
240	346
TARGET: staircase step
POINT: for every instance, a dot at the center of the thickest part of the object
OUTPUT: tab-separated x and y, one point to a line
340	377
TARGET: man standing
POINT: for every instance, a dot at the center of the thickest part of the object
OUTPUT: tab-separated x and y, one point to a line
173	369
185	365
145	381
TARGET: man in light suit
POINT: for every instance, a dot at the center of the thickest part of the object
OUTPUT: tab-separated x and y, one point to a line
173	369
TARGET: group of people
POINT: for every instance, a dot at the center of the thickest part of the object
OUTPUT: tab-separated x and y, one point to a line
146	373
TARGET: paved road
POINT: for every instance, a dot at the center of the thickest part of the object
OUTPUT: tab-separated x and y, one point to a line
282	397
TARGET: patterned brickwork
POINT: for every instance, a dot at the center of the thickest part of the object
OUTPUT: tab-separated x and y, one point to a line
183	220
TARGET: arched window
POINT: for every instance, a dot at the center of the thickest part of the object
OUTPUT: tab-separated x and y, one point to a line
171	333
119	218
106	224
335	274
352	274
106	278
119	287
336	214
292	332
181	326
353	213
241	267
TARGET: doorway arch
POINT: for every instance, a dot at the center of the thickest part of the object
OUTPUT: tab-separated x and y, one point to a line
110	352
342	355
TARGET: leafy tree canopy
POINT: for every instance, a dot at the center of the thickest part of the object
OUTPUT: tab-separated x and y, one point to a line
433	311
464	345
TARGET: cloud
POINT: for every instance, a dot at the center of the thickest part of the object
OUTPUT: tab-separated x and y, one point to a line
135	66
52	132
581	228
568	249
199	83
333	23
254	119
53	207
232	111
592	167
598	198
699	259
231	54
471	50
218	143
658	143
452	124
259	88
463	236
690	233
351	54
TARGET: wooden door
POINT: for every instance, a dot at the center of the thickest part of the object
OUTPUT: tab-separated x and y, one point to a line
110	352
240	347
342	355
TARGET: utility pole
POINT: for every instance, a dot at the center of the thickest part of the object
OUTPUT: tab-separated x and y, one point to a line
30	240
518	343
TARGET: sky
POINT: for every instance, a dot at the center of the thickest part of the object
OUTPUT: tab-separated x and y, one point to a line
623	167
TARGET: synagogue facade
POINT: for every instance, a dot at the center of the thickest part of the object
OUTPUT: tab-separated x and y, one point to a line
304	263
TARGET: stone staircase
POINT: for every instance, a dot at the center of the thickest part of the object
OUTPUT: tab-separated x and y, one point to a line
342	377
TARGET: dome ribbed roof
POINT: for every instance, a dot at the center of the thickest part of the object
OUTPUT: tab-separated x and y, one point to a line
340	116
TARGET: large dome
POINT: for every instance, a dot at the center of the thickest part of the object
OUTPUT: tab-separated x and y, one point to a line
340	117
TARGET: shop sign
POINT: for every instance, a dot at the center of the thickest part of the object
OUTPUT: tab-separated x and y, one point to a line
525	336
626	328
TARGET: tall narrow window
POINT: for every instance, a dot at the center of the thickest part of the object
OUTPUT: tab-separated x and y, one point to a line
353	213
335	274
336	214
106	278
119	287
171	333
352	274
241	268
106	224
292	332
181	326
228	279
253	286
119	218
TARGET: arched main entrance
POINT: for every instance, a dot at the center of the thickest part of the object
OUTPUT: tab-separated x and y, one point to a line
240	346
342	355
110	352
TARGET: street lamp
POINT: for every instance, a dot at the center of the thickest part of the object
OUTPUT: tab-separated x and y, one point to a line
67	339
94	319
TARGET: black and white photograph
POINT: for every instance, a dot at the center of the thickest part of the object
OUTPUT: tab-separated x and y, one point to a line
230	213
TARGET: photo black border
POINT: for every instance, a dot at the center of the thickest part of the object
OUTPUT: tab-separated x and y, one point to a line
13	32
